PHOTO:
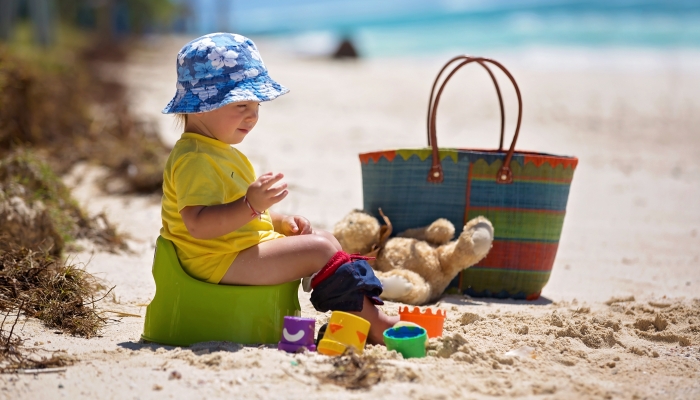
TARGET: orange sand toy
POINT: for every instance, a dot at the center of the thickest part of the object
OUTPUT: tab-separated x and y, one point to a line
343	330
432	322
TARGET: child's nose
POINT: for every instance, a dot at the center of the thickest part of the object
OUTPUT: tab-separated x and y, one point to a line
252	115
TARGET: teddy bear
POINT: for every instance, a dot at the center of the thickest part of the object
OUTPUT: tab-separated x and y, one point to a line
416	266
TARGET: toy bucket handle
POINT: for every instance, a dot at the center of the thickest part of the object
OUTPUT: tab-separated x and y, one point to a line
505	175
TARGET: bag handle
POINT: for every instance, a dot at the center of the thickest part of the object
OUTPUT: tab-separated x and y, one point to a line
505	175
495	83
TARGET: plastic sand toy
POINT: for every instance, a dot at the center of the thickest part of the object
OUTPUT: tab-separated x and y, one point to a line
431	321
343	330
297	333
186	311
407	340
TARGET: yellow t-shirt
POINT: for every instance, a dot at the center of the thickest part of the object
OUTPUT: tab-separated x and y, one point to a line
202	171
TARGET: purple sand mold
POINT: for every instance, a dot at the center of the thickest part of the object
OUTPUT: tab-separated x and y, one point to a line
294	325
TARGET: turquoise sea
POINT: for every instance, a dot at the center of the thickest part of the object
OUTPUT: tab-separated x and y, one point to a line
403	27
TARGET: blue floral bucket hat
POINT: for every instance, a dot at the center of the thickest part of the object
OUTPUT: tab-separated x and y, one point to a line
218	69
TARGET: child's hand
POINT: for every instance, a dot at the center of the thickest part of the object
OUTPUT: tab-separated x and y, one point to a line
262	194
293	225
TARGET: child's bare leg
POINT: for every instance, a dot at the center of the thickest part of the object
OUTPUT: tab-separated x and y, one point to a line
294	257
379	322
328	236
282	260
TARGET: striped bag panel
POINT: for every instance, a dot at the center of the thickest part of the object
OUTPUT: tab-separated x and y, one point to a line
528	217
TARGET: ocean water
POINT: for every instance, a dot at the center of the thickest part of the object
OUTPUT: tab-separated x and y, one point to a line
406	27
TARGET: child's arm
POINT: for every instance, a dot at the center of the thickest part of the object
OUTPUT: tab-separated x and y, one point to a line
209	222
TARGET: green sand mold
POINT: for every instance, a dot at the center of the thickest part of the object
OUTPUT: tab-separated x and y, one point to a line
407	340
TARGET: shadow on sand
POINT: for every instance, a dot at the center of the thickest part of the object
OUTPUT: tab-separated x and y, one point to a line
482	301
197	348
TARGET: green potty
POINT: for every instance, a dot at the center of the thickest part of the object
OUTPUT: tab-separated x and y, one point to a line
186	311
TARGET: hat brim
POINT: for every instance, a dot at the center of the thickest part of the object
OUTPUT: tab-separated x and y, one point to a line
189	100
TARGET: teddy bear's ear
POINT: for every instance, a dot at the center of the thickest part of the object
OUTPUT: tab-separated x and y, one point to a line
385	230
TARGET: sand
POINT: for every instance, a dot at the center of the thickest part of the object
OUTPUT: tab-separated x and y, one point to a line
619	318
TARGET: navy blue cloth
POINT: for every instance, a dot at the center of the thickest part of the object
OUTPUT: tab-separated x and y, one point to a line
346	289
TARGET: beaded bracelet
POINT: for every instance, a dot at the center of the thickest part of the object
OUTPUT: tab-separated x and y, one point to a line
255	213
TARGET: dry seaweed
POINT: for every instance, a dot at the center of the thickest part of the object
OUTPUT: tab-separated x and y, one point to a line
37	217
353	371
55	111
62	296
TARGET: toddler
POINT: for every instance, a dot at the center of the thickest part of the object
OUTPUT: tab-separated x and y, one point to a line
216	211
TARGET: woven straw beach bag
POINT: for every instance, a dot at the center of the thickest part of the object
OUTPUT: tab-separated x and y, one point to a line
524	195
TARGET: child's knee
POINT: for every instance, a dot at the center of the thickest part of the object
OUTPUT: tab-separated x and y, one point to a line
324	245
330	238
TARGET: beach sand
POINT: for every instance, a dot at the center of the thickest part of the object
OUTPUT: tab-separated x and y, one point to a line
619	318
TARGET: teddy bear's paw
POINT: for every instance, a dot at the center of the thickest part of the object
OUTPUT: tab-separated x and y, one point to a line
395	287
482	236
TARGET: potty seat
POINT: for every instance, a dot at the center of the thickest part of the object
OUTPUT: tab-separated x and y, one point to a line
186	310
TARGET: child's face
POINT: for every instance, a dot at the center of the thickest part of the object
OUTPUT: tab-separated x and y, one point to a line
229	124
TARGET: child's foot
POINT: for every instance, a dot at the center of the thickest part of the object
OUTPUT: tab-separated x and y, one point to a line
379	322
376	330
